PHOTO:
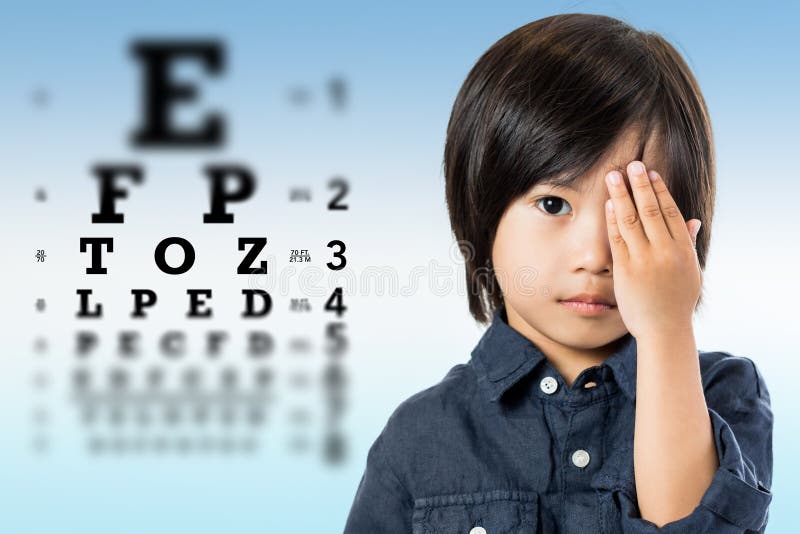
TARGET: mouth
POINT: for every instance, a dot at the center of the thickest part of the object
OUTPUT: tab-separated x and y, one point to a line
587	308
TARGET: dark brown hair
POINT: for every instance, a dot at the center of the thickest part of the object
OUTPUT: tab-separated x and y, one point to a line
548	101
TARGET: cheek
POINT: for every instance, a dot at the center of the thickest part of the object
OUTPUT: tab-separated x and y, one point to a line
523	251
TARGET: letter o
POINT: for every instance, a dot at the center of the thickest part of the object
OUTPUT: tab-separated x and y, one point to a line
188	255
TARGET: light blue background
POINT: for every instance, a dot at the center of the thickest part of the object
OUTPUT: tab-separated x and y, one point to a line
403	64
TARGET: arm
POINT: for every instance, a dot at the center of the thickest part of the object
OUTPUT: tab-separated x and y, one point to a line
737	495
674	453
381	504
657	283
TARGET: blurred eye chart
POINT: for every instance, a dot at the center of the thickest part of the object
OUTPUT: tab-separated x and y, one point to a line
186	303
198	219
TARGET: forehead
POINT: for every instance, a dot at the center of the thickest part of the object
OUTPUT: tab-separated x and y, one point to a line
630	146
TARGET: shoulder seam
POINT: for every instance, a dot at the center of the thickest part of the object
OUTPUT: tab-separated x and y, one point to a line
755	375
756	380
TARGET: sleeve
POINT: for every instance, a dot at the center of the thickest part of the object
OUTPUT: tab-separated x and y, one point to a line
739	495
381	504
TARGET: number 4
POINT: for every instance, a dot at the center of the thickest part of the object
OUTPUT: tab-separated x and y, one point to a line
334	302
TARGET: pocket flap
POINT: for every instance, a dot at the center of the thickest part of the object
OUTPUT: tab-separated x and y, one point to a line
497	512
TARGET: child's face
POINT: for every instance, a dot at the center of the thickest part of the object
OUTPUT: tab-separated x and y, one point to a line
552	244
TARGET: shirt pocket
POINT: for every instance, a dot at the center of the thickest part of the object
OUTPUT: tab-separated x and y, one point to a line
489	512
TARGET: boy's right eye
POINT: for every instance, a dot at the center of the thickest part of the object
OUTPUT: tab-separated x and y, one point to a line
552	204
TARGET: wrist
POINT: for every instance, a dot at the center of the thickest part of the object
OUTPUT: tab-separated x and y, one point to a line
669	335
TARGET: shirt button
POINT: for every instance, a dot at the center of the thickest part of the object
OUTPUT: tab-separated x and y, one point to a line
580	458
477	530
548	385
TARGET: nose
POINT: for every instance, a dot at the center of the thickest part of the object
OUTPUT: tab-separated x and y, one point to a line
591	249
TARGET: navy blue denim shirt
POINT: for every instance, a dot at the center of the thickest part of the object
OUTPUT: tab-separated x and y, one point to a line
501	444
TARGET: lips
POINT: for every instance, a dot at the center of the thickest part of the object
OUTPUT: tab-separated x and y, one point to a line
591	298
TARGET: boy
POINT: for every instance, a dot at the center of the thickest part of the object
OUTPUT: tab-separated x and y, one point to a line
575	147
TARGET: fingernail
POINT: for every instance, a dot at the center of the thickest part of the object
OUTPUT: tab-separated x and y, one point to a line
697	228
637	167
614	178
653	175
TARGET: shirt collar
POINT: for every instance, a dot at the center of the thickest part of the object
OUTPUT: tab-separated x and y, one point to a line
503	356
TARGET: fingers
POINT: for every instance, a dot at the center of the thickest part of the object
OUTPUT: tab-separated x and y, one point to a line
647	204
619	249
626	215
651	216
671	213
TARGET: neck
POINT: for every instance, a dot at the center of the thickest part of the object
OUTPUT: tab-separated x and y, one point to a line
568	360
